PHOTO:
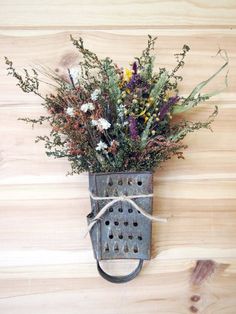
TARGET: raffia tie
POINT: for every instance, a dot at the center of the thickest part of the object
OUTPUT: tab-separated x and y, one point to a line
122	198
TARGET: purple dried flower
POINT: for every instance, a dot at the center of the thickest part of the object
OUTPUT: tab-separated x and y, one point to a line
133	128
135	81
167	106
135	67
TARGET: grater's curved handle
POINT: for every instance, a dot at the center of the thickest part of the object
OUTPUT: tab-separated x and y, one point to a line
120	279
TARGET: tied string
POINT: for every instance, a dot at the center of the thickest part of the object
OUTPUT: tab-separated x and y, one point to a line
122	198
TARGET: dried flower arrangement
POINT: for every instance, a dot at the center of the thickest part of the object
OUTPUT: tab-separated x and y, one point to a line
117	124
104	118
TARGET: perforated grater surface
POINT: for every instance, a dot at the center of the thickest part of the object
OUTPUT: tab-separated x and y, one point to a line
123	232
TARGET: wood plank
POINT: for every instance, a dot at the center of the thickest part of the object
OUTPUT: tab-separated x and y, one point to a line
46	264
102	13
216	294
56	51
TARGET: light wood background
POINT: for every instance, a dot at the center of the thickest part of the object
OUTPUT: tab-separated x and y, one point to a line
46	265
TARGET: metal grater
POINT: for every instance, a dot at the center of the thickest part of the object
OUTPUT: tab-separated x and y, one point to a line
122	232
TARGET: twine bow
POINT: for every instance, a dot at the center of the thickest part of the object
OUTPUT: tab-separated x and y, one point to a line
115	199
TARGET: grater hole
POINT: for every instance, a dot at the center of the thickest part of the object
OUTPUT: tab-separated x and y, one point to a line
130	210
135	249
126	248
120	210
140	238
139	183
107	222
116	247
135	224
126	223
106	248
110	209
121	236
116	223
138	212
130	237
111	236
130	181
110	182
120	182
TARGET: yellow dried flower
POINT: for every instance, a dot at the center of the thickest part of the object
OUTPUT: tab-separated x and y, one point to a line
127	75
142	112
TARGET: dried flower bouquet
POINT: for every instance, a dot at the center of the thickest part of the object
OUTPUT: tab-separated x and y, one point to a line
104	118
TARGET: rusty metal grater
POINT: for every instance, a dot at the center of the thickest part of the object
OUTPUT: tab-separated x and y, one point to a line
122	232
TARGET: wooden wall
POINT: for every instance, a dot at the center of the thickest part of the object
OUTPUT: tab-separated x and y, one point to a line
46	265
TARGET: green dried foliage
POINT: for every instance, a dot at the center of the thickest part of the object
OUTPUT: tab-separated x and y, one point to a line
104	118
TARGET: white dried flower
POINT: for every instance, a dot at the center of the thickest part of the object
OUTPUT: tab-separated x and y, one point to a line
101	146
120	107
94	122
95	94
101	123
70	111
75	73
87	106
120	110
104	124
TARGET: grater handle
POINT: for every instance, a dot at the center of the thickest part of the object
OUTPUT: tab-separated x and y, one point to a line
120	279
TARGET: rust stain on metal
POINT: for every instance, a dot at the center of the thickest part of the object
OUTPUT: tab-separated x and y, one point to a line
202	271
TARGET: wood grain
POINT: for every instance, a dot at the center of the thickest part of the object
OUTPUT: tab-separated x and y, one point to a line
46	264
122	13
74	294
55	50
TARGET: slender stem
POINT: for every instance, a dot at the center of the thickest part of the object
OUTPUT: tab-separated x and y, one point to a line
71	79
